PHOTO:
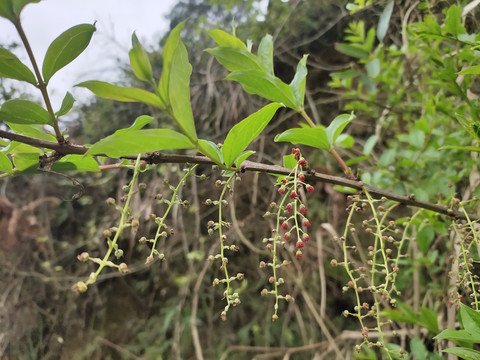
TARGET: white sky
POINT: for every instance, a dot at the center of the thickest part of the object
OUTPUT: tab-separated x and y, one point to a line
116	21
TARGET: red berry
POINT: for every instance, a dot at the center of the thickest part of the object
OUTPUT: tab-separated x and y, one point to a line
284	181
302	162
296	152
286	237
293	195
301	177
289	208
284	225
299	244
298	254
305	237
306	223
310	188
303	209
281	190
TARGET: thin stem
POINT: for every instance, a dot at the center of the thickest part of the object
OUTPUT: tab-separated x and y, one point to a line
122	225
41	84
344	166
347	268
161	222
223	258
307	118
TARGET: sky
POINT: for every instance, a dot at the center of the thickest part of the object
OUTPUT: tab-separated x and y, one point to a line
116	20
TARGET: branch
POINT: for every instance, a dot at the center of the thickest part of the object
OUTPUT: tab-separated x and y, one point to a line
312	176
64	148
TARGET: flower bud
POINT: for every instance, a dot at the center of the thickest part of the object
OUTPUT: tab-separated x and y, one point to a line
299	244
83	257
149	260
298	254
310	188
123	268
80	287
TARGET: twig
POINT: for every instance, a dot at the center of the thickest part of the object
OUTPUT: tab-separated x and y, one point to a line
158	158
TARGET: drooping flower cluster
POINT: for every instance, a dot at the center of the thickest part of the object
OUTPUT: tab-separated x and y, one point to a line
291	223
294	220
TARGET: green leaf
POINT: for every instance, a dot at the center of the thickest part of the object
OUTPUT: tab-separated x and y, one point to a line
75	162
472	70
299	80
464	353
138	124
5	163
67	104
35	131
130	94
242	157
235	59
24	156
403	313
455	335
347	74
453	21
168	52
471	321
266	86
425	237
225	39
179	91
65	48
429	319
139	141
336	127
370	144
11	67
11	9
289	161
21	111
315	137
265	52
139	60
243	133
373	68
211	150
384	21
352	50
345	140
466	148
418	349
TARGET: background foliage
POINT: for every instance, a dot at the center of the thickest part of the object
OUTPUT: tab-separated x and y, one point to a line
409	75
